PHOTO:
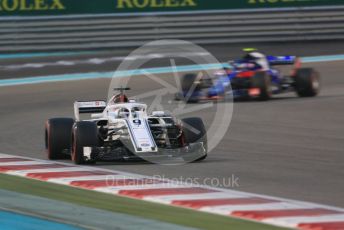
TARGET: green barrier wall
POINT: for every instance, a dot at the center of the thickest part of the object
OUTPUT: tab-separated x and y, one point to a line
60	7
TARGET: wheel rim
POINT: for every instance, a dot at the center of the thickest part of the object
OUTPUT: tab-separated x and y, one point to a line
73	149
315	83
47	140
268	87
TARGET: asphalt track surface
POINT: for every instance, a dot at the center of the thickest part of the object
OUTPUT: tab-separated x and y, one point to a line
289	147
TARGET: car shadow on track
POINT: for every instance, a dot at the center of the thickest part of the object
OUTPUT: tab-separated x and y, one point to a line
108	163
279	98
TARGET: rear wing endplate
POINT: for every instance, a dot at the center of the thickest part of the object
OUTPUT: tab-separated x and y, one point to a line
88	107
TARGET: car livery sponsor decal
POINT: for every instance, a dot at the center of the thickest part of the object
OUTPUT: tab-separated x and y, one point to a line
141	136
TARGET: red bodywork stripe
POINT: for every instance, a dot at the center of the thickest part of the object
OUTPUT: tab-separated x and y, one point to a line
245	74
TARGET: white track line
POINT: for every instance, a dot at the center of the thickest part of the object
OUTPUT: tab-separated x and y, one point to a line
227	209
169	199
17	163
117	189
46	170
3	155
68	180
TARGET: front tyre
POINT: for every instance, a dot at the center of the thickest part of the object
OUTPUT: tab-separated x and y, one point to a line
307	82
262	81
85	134
58	133
190	87
194	132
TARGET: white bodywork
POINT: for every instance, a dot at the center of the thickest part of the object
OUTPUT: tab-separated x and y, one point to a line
261	60
128	117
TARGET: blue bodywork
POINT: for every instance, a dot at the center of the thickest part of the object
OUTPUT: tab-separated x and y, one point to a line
221	84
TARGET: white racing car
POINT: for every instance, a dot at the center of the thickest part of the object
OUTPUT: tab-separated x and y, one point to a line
122	130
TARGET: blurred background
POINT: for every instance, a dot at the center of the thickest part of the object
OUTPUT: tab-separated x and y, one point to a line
62	25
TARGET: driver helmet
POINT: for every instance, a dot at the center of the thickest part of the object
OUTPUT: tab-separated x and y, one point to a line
253	54
120	98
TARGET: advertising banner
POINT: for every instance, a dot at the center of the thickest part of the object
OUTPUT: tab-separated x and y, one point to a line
65	7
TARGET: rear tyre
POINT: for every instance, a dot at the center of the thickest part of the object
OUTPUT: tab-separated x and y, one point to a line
85	134
58	133
194	132
189	86
262	81
307	82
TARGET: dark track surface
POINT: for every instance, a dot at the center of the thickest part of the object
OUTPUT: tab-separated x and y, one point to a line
289	147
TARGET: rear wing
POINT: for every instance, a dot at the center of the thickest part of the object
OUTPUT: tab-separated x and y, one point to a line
88	107
282	60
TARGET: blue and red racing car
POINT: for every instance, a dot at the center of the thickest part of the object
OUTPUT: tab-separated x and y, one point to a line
253	76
